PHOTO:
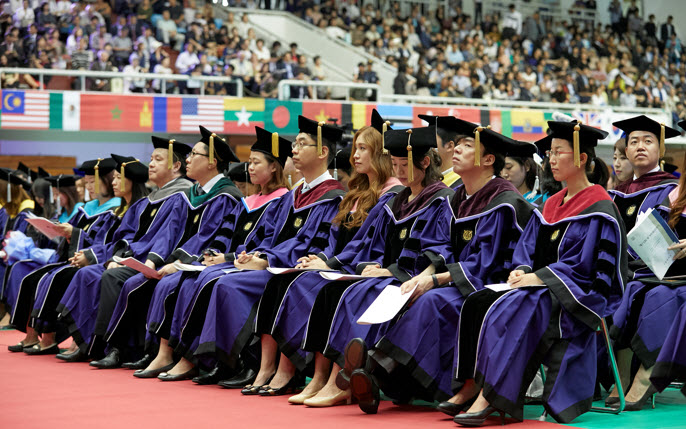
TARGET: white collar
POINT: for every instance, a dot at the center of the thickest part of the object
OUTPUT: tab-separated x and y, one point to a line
307	186
213	181
654	170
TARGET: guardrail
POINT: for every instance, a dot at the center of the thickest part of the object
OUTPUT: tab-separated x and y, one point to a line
163	78
288	83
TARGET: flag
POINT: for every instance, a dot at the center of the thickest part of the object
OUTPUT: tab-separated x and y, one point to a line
282	116
358	114
241	115
71	111
467	114
25	109
322	111
399	115
110	112
159	117
525	125
205	111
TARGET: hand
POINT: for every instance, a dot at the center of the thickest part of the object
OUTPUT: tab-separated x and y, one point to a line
530	279
681	249
150	264
78	260
424	284
66	230
514	275
113	265
166	270
375	271
253	264
312	261
244	258
210	259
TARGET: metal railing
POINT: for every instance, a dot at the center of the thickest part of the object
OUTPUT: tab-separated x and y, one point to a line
288	83
84	74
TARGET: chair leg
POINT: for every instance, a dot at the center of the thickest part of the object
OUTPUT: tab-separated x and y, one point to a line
544	414
615	373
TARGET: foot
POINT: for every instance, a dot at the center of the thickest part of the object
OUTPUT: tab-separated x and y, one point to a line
330	390
313	388
264	377
479	405
158	362
329	397
5	321
280	379
182	367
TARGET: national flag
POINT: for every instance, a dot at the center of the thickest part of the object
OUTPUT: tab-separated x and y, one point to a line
357	114
467	114
159	117
323	111
109	112
525	125
400	115
205	111
241	115
282	116
25	109
71	112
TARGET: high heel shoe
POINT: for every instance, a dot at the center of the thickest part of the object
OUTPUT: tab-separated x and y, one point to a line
638	405
452	409
290	387
611	400
252	389
478	418
301	397
341	398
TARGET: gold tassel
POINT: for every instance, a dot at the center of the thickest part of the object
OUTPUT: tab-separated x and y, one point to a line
319	138
170	155
212	147
383	137
577	155
662	165
122	181
662	140
410	161
477	146
275	145
97	178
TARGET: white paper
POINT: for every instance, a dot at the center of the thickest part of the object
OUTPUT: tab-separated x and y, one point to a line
499	287
138	266
330	275
188	267
291	270
650	239
386	306
46	227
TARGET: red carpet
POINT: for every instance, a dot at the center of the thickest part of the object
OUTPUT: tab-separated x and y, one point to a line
39	391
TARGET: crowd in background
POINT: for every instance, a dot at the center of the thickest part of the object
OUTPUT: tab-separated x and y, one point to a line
635	61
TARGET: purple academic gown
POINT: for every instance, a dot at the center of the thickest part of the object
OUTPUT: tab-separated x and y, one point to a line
481	239
126	326
231	312
143	229
18	223
581	259
671	362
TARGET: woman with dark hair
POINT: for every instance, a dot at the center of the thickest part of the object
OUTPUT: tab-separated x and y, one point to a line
622	170
548	185
523	174
570	272
40	189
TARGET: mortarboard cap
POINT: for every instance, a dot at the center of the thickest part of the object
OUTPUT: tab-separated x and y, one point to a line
450	123
62	180
320	130
576	133
341	161
644	123
410	143
12	177
379	124
218	146
682	124
131	168
42	173
97	167
180	149
272	144
670	168
499	143
238	172
23	168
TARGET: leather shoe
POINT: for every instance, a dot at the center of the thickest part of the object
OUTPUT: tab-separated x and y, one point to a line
638	405
19	347
111	361
36	350
365	389
244	378
152	373
301	397
341	398
217	374
611	400
478	418
293	384
77	356
355	358
141	363
178	377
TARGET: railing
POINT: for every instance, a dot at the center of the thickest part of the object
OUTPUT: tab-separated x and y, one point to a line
288	83
163	78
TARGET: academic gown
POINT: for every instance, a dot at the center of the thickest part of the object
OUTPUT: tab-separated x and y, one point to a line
304	228
395	240
671	362
479	243
127	324
578	250
145	232
17	223
284	293
176	296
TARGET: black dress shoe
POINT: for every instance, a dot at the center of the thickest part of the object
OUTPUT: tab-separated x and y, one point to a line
178	377
355	358
244	378
37	350
365	390
19	347
141	363
77	356
217	374
111	361
638	405
478	418
293	384
152	373
453	409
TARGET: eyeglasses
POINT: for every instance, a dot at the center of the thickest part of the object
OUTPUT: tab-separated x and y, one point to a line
555	153
194	153
300	145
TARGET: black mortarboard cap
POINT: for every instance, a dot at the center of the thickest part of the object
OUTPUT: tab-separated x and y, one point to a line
452	124
180	149
238	172
670	168
12	176
105	165
410	143
218	146
62	180
381	125
341	161
272	144
23	168
42	173
320	130
133	169
499	143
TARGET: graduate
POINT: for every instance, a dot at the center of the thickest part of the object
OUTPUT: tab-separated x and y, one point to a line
570	272
244	229
340	168
213	197
302	227
91	226
649	188
446	140
290	296
488	215
145	233
240	176
671	362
